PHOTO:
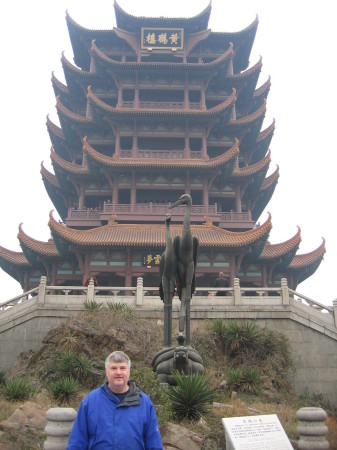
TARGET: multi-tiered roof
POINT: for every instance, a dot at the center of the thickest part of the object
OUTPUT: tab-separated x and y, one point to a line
152	109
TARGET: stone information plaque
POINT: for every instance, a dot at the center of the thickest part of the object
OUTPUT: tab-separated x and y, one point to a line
255	433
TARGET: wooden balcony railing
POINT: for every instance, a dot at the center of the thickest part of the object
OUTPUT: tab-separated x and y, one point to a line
145	212
162	105
166	154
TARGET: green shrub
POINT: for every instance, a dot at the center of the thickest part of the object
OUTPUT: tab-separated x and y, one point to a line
217	328
64	390
232	337
234	343
243	379
240	336
119	307
147	380
71	364
70	341
17	388
191	397
91	305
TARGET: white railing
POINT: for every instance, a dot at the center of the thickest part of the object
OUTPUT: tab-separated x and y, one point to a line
203	297
22	298
311	303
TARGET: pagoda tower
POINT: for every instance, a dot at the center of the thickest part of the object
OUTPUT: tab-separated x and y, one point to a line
152	109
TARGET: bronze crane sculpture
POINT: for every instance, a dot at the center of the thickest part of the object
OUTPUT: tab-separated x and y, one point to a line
186	249
167	270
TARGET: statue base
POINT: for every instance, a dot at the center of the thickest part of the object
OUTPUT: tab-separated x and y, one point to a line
182	358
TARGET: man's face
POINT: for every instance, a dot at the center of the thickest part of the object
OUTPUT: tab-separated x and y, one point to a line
118	374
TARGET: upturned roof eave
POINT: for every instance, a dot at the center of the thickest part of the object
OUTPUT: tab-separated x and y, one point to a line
59	88
49	177
54	129
276	251
248	171
117	162
12	257
35	246
149	66
306	259
154	234
223	108
127	21
66	166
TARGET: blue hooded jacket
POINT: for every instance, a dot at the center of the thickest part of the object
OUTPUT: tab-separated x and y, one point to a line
105	423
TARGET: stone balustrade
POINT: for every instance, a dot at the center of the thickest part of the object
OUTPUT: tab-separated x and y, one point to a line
204	297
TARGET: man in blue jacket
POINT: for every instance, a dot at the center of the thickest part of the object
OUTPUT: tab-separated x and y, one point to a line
117	415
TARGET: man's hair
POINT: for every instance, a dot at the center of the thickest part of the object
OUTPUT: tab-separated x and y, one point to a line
118	357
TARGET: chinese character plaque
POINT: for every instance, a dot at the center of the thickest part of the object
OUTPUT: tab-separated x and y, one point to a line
163	38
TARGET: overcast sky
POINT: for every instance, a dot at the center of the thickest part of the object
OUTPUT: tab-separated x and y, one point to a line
296	40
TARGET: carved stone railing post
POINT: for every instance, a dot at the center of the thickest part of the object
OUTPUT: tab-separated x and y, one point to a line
59	425
42	290
237	291
312	429
334	304
139	292
91	290
284	291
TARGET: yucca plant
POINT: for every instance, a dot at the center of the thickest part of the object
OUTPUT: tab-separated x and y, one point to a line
119	307
243	379
17	388
91	305
70	341
240	335
71	364
192	396
252	380
64	390
217	327
83	367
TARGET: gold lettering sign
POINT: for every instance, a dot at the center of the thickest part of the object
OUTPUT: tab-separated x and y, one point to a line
162	38
151	259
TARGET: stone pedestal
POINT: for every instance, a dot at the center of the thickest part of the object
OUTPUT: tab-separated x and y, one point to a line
181	358
312	429
59	425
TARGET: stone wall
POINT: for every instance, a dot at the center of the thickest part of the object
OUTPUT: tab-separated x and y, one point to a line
315	357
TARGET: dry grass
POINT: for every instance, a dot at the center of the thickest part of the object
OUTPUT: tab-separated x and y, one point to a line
7	408
331	422
123	328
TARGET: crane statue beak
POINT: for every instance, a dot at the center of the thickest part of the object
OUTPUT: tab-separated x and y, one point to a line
177	203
